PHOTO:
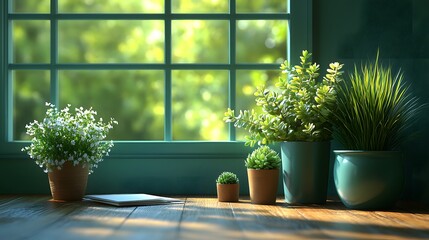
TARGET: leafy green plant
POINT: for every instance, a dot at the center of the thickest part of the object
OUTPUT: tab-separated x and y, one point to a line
227	178
263	158
374	109
63	136
298	108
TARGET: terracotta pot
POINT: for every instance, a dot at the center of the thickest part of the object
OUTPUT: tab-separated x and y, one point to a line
228	192
69	183
263	185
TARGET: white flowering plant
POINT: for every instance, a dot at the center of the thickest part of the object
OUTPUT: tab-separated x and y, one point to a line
64	136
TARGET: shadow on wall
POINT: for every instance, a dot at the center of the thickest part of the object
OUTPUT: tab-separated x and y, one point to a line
352	31
386	24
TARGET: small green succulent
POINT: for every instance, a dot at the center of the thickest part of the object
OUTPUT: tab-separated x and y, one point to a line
263	158
227	178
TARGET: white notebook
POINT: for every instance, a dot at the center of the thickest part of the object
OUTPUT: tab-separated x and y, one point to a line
121	200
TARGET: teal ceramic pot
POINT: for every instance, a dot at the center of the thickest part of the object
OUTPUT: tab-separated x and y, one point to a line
305	169
368	179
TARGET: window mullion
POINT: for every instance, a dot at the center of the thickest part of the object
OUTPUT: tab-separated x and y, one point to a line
54	91
300	28
233	65
8	52
168	111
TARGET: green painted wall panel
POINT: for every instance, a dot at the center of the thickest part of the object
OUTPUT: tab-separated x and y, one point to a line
157	176
351	31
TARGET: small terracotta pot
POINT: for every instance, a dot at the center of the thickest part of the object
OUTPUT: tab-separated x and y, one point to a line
263	185
69	183
228	192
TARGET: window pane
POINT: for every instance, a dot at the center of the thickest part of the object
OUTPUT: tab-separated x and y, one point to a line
30	6
31	41
265	6
111	6
200	6
246	84
134	98
111	41
199	101
30	92
268	41
200	41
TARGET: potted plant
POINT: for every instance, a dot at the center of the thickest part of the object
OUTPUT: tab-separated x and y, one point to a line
263	173
373	114
68	146
228	188
297	112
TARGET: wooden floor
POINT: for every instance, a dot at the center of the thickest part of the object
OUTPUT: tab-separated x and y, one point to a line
199	218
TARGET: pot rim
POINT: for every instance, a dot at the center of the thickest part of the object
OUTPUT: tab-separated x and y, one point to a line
272	169
365	151
305	141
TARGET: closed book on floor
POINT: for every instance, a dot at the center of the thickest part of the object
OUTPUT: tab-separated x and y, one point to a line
139	199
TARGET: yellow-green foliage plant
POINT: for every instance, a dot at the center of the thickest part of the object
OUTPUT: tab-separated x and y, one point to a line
298	108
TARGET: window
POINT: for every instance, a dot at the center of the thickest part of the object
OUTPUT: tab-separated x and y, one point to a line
166	70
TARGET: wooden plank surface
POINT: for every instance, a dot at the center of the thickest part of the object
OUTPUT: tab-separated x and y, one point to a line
7	198
342	223
151	222
201	218
23	217
272	222
86	221
206	218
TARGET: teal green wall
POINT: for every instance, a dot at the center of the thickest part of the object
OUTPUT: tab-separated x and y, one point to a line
351	31
156	176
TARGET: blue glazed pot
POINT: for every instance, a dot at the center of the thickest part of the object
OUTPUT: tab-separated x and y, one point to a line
305	170
368	179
